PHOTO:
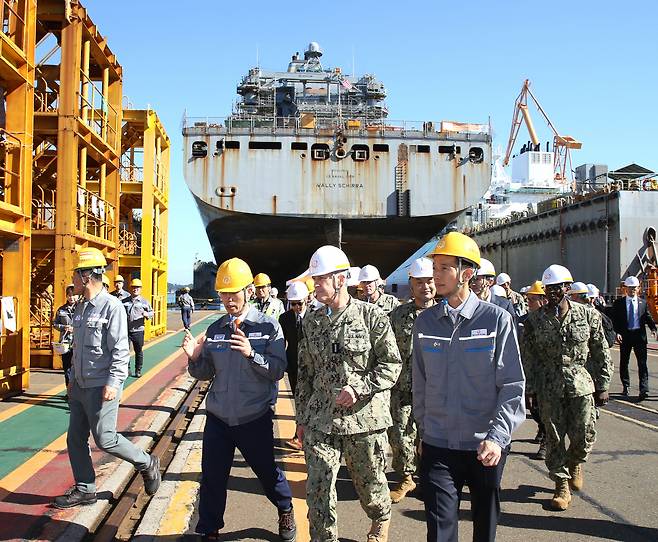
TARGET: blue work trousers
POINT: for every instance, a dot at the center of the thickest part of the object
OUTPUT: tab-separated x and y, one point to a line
255	440
186	316
443	475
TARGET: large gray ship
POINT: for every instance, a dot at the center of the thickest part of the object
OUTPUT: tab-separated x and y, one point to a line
308	157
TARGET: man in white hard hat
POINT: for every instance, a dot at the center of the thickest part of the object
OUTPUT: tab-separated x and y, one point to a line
348	362
630	317
482	283
598	302
353	282
370	279
467	394
402	434
558	339
505	281
291	324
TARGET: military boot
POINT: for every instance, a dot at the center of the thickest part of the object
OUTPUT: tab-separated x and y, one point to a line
562	496
399	492
577	478
379	531
541	452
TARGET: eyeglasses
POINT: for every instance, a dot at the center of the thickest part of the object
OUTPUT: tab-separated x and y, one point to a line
296	303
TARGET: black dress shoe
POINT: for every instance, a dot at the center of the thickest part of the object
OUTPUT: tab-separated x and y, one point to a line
138	373
643	395
624	392
152	476
74	497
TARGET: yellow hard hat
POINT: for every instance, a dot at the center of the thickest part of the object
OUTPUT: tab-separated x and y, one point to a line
310	284
106	280
537	288
90	258
119	278
458	245
135	282
233	275
261	280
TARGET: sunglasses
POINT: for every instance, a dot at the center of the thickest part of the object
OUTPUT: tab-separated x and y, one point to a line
296	303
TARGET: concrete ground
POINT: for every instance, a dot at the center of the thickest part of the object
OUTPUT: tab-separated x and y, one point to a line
617	503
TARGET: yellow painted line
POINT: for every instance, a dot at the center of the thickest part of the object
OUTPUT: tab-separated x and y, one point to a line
291	463
24	472
13	411
181	506
632	420
635	405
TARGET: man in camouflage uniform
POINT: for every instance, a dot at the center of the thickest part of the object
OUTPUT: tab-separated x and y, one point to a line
519	302
402	434
557	340
348	362
370	279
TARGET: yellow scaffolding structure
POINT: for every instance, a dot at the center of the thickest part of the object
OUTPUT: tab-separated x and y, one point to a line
143	210
17	49
77	146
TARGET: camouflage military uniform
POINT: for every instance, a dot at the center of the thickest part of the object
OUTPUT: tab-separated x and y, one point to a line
386	302
402	434
556	354
354	347
519	302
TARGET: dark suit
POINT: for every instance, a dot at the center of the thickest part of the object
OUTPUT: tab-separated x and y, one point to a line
635	340
291	332
504	304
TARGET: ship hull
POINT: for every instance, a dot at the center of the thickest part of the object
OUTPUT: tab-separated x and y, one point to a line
282	246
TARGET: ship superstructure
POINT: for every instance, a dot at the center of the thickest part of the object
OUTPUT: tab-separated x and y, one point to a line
309	157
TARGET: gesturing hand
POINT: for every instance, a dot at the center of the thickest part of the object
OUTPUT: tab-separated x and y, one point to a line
240	343
191	346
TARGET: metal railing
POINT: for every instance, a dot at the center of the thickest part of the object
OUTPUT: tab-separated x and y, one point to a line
158	243
96	216
11	146
132	174
13	25
41	321
128	242
97	113
46	101
43	209
159	304
160	175
307	123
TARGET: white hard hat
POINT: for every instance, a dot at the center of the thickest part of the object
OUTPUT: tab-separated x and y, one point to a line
486	269
524	289
592	291
328	259
354	276
632	282
422	268
369	273
274	292
498	291
503	278
297	291
578	288
556	274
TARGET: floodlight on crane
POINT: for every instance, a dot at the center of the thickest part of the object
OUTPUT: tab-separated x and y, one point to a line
562	145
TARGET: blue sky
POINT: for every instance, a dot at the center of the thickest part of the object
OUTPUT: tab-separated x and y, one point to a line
592	65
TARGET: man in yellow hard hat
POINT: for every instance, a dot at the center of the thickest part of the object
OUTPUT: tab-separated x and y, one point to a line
348	362
243	354
63	323
99	369
265	302
467	384
138	310
119	292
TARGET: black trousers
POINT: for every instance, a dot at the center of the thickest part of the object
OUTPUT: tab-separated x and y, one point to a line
256	442
66	365
633	341
137	340
186	316
443	475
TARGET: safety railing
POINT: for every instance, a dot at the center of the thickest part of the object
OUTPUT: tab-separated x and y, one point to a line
307	122
41	321
46	101
97	113
10	149
159	303
131	173
160	175
43	209
7	337
13	24
96	216
128	242
158	243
